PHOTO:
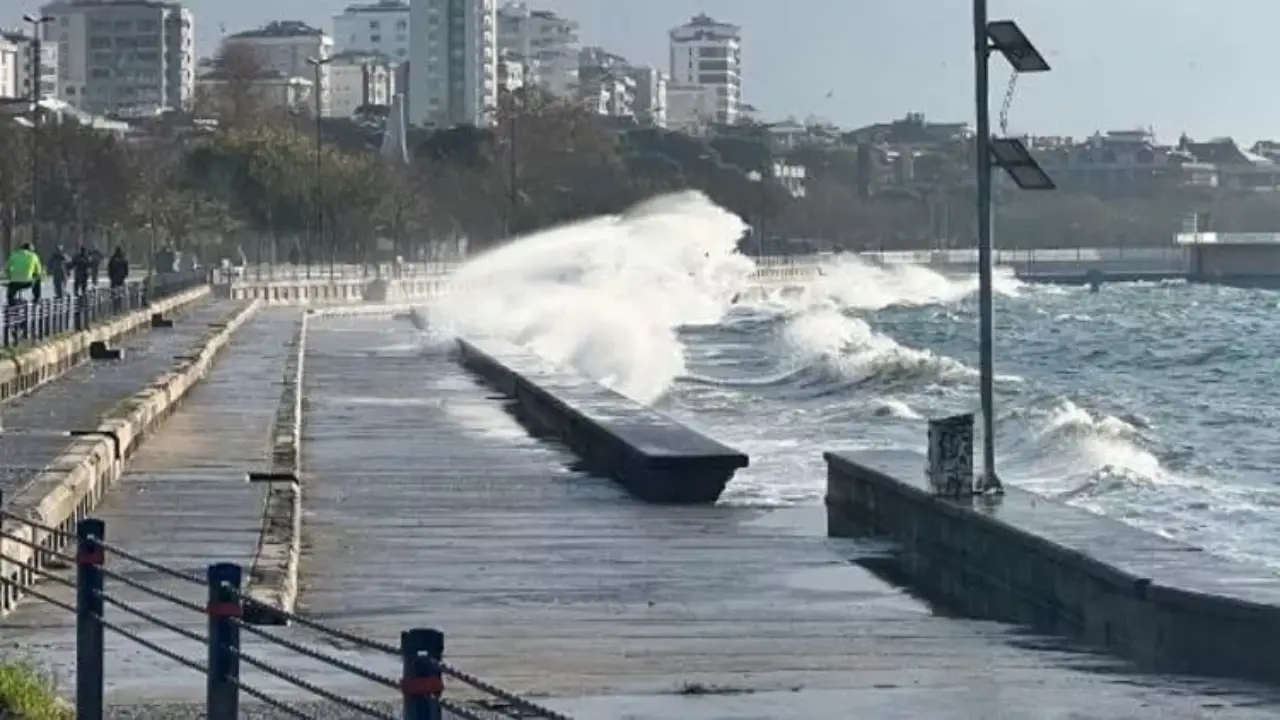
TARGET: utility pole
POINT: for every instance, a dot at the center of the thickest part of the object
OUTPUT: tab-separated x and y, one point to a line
318	64
36	21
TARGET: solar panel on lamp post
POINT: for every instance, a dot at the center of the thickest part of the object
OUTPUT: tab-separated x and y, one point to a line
1005	37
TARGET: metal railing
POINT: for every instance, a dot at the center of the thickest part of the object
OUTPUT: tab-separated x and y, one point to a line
264	272
230	615
30	322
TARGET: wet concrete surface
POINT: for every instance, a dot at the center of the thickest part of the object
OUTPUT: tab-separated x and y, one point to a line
427	505
183	502
35	424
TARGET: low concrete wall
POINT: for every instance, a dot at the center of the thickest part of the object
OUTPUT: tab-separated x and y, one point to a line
73	484
273	576
37	365
656	458
1030	560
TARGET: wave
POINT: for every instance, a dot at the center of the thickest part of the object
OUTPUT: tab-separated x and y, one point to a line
608	295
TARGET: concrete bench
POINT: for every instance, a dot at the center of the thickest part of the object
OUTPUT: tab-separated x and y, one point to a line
1035	561
654	457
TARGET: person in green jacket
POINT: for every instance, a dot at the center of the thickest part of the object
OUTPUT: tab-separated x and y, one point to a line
23	271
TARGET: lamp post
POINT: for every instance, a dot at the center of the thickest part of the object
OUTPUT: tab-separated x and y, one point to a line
756	178
318	65
36	21
1005	37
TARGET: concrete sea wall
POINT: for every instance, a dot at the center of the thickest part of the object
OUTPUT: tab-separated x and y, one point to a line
654	457
1033	561
71	486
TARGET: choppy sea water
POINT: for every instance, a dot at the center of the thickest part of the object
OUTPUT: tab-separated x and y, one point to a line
1153	403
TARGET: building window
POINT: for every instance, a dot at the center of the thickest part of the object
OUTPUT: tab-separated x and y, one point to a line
375	38
402	24
375	25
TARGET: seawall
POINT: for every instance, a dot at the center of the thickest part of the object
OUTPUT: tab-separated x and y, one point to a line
34	366
72	485
1030	560
654	457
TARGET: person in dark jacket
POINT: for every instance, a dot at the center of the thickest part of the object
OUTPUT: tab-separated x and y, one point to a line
81	266
56	266
95	262
117	273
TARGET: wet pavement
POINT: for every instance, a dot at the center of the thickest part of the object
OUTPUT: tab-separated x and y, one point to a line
35	425
184	503
427	505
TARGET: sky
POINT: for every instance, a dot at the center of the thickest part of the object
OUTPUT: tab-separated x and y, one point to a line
1197	66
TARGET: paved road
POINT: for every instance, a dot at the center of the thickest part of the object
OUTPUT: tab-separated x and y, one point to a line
428	506
183	502
77	399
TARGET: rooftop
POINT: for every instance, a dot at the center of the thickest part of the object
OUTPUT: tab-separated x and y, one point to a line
388	6
279	29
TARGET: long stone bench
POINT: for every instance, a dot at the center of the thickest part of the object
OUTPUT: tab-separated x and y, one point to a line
654	457
1031	560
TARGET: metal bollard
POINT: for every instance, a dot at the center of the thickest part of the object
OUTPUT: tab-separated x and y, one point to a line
222	699
421	684
90	532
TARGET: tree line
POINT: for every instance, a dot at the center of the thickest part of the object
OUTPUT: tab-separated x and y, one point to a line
257	181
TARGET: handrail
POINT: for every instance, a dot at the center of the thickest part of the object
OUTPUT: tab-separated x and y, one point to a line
420	686
31	322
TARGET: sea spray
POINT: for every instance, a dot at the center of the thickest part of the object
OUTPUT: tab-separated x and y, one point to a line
607	295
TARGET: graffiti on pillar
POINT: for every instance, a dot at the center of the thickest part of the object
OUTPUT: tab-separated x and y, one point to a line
951	455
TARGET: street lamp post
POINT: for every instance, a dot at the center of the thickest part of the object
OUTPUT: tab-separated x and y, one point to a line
318	64
36	21
1011	155
757	179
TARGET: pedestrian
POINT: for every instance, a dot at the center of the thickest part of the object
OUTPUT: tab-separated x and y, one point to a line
81	266
117	274
56	266
95	262
23	270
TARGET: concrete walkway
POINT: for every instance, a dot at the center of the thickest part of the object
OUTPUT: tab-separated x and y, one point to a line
428	506
34	424
183	502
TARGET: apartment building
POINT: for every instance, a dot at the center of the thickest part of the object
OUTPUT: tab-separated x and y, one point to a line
650	96
707	54
381	27
125	57
16	67
546	43
357	79
284	47
454	54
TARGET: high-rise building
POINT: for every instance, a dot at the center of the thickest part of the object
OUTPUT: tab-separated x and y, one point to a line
283	49
359	79
707	54
127	57
454	52
382	27
16	66
546	42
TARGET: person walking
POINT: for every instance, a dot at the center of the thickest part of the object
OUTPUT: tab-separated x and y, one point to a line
95	262
81	267
57	266
117	274
23	271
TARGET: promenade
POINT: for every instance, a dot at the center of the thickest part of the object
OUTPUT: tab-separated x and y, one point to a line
427	505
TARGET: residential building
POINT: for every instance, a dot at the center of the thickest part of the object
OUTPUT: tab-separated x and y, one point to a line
708	54
454	51
269	90
605	91
284	48
650	96
382	26
547	44
10	60
16	66
124	57
358	79
511	75
1122	163
691	109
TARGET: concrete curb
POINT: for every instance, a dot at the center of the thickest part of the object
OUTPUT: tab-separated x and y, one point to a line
273	575
75	482
35	366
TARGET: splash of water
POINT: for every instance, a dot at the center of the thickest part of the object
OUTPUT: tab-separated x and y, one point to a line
607	295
